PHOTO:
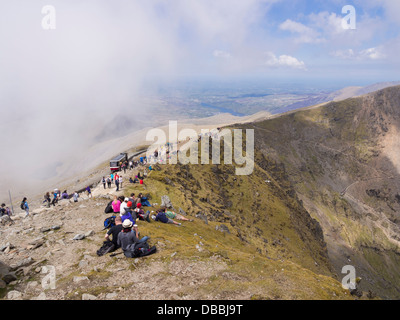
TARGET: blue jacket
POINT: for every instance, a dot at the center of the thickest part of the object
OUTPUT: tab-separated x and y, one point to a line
162	217
127	215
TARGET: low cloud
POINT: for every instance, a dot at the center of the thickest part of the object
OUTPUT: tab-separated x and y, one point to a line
283	61
361	55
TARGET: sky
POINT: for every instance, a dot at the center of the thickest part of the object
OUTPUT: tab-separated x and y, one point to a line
67	67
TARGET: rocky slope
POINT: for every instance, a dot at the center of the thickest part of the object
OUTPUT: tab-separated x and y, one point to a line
343	161
251	238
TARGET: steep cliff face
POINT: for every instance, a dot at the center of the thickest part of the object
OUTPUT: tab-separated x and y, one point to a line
343	159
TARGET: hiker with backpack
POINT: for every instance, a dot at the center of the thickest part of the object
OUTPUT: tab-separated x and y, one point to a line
89	192
114	232
25	206
103	180
3	211
128	239
55	199
47	199
75	196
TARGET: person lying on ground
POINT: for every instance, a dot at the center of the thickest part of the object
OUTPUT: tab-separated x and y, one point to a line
177	216
114	232
161	216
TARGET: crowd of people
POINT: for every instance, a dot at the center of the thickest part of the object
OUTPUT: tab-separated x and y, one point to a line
128	211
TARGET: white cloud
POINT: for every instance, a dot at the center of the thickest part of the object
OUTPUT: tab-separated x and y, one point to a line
221	54
372	53
283	61
375	53
305	33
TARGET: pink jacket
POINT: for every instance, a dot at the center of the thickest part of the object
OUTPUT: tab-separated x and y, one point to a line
116	206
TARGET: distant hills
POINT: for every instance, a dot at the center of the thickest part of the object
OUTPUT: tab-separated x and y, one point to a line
342	94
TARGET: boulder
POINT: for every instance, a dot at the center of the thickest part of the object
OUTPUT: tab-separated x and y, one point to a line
79	237
166	202
222	228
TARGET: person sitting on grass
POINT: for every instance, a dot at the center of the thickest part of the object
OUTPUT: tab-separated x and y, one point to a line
141	214
128	213
128	238
114	232
123	206
116	204
143	200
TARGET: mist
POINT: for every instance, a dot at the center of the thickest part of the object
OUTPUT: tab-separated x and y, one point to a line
59	88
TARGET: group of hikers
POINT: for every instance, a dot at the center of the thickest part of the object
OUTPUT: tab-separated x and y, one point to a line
113	178
127	212
56	195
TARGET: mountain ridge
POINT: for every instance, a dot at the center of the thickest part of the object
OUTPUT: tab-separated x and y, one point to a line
342	158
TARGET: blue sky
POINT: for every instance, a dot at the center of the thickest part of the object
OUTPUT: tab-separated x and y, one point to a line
219	38
306	39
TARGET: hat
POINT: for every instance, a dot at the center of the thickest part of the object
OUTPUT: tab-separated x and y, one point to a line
129	204
126	199
127	223
139	205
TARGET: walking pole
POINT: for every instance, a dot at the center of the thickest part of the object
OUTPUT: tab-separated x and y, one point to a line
12	209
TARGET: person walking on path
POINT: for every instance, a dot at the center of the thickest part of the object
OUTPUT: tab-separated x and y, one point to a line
104	182
76	196
25	206
117	183
89	191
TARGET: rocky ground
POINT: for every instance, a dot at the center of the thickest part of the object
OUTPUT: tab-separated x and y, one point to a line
63	240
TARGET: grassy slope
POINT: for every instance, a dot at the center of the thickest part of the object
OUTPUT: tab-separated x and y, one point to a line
264	251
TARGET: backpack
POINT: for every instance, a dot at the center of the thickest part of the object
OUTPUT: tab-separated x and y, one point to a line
109	222
141	249
108	246
23	205
109	208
